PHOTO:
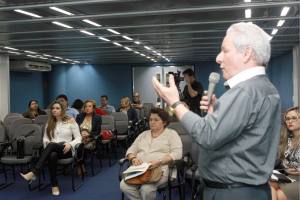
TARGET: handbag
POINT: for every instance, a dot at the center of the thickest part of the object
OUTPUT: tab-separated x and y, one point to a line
152	175
106	134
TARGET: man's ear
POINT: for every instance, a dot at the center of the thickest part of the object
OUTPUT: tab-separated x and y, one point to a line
248	54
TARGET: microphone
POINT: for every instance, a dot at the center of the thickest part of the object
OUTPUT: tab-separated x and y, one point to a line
213	79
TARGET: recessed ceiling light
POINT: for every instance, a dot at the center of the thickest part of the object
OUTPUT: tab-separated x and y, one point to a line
136	52
129	49
137	42
280	22
146	47
247	1
10	48
91	22
61	11
61	24
143	54
13	52
54	60
31	56
118	44
58	57
63	62
75	61
104	39
87	32
284	11
27	13
274	31
32	52
127	38
113	31
47	55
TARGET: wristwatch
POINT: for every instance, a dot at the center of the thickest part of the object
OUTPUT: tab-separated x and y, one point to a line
177	103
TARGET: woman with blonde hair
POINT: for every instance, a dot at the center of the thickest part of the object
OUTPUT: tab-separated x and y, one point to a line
289	155
59	140
125	107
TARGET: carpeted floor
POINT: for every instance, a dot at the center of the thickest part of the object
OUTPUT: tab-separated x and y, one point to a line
104	185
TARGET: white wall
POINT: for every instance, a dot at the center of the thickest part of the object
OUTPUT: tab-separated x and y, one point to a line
4	86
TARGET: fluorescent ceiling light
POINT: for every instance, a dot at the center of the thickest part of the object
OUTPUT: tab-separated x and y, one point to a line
54	60
129	49
127	38
31	56
146	47
58	57
10	48
61	11
137	42
41	57
91	22
274	31
148	57
248	13
13	52
136	52
159	54
32	52
115	43
63	62
247	1
27	13
47	55
113	31
69	60
280	22
61	24
284	11
87	32
75	61
143	54
104	39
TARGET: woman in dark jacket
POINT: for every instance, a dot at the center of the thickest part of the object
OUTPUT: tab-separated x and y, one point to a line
90	127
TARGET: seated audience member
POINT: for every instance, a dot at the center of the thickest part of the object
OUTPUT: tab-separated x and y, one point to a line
60	138
289	154
90	127
33	110
77	104
100	111
158	146
72	112
136	101
125	107
104	105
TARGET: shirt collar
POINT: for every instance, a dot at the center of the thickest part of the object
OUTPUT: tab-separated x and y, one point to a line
245	75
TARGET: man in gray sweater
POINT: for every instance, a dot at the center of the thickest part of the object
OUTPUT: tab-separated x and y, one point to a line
238	137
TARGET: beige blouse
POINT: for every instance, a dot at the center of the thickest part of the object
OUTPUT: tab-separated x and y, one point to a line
147	148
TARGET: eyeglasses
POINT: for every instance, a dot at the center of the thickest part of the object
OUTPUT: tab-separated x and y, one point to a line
291	119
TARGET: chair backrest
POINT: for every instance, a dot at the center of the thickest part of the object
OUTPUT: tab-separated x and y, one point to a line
41	120
15	127
8	121
13	114
121	122
3	136
108	122
32	134
147	108
186	139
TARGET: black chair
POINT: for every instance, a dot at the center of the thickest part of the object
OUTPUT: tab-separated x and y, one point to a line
172	183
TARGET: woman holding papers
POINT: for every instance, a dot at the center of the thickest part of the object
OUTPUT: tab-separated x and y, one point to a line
158	146
289	154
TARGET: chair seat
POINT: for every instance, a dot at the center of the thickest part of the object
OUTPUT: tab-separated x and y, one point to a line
121	137
65	161
13	160
105	141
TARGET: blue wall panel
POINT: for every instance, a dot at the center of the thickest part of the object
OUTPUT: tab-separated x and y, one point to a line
90	82
25	86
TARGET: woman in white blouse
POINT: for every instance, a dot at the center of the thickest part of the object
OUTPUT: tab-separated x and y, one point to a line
60	137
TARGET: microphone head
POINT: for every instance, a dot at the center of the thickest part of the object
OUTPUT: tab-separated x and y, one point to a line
214	77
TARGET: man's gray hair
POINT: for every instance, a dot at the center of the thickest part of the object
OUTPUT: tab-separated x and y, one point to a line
251	35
